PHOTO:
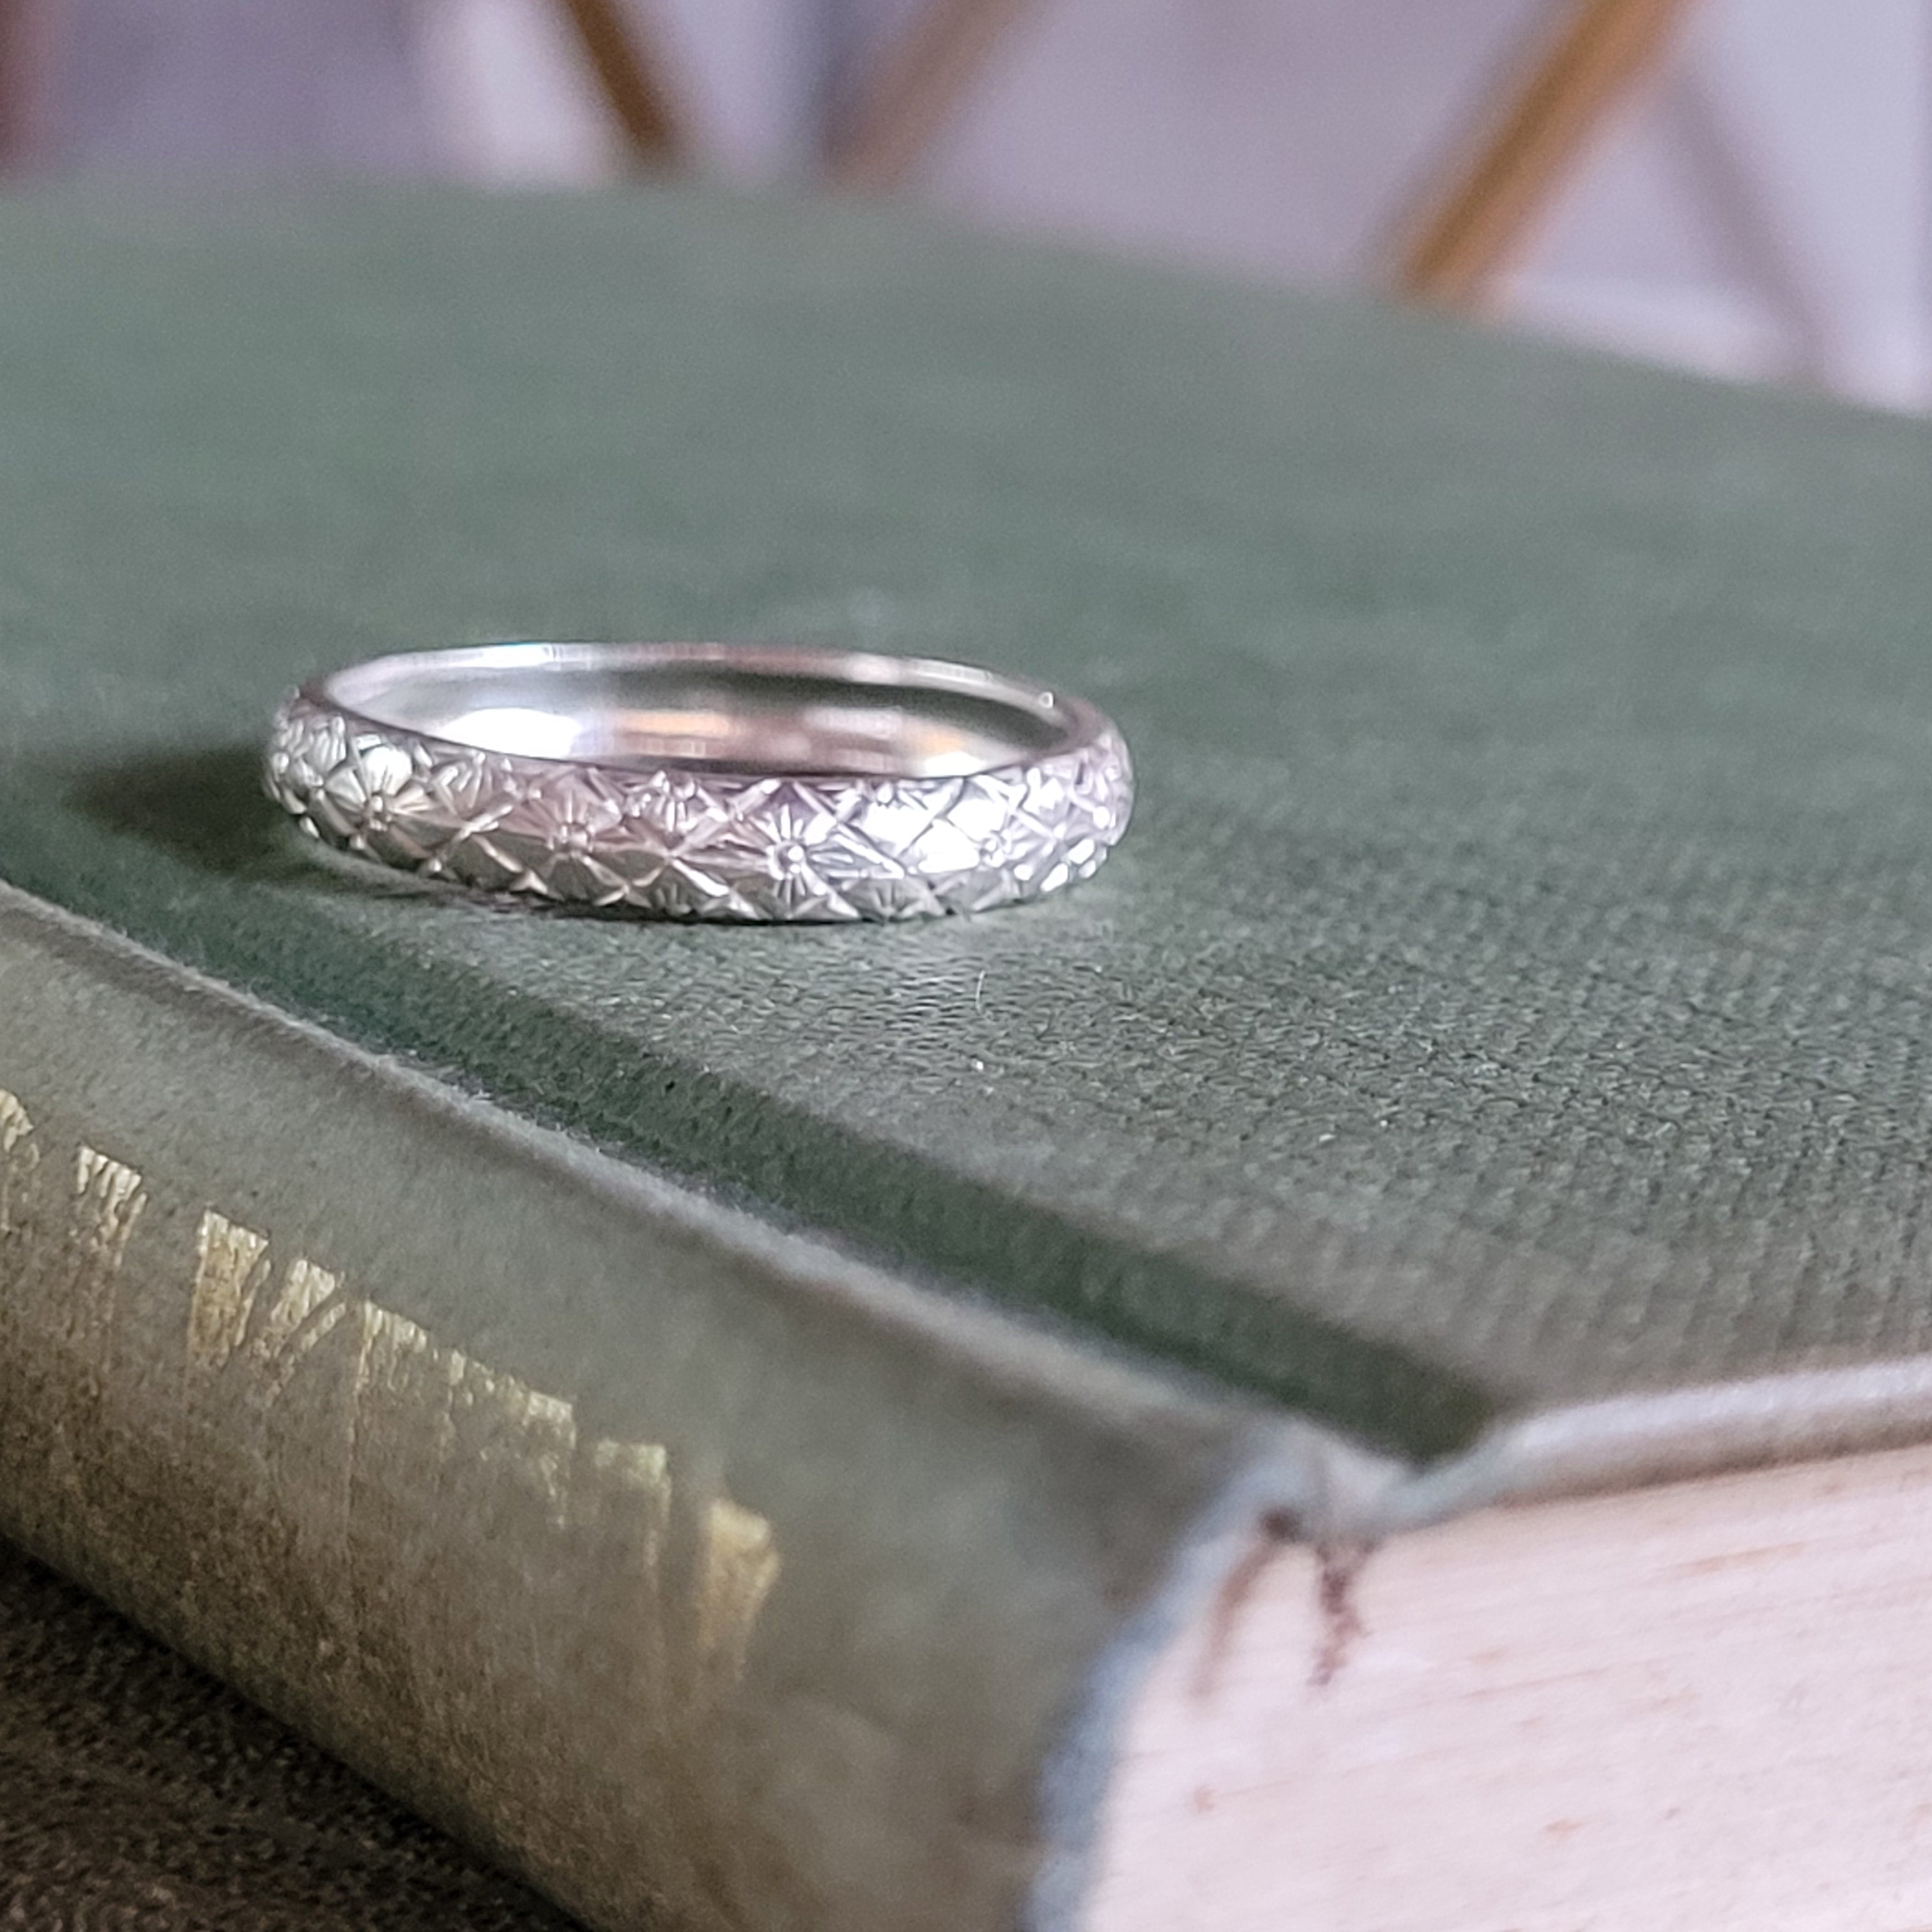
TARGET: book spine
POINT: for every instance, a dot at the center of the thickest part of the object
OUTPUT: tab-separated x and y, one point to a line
703	1575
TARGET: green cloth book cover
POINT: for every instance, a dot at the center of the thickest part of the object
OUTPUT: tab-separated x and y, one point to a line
736	1422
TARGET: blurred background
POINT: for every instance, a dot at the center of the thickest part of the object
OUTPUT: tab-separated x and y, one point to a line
1737	186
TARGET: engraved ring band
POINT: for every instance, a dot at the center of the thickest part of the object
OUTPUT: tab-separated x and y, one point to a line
706	781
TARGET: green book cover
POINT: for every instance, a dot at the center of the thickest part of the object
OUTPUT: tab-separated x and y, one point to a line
133	1788
1501	1018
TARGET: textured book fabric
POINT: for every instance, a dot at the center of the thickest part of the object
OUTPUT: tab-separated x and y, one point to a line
700	1571
1490	1065
135	1792
1507	997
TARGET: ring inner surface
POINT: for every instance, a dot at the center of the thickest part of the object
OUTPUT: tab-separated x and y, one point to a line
719	717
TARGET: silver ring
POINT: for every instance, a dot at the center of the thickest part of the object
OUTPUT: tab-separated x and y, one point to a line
706	781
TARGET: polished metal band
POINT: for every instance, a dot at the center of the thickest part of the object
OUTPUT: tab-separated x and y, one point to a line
706	781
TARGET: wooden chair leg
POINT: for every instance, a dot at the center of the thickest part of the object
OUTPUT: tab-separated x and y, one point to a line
1474	223
23	25
1470	226
920	82
631	81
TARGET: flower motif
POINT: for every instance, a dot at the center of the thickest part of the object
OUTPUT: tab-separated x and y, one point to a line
358	799
566	822
577	824
694	844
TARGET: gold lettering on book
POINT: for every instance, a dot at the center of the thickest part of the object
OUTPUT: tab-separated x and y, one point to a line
19	1155
421	1532
737	1567
370	1452
437	1409
641	1470
504	1423
108	1198
310	1305
631	1481
231	1269
228	1260
390	1342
